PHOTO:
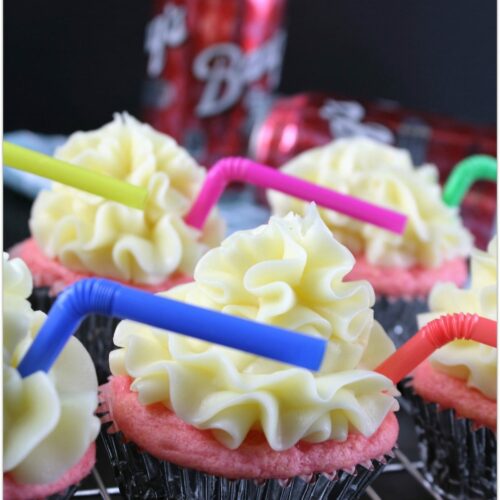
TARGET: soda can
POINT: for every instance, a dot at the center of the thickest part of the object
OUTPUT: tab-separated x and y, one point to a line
211	67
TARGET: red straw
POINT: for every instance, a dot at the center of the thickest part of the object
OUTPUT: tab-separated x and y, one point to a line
241	169
434	335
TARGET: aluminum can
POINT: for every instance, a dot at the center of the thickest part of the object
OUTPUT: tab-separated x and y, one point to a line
211	67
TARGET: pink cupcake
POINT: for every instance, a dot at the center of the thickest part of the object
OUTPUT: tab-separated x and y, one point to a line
191	419
77	235
454	394
402	269
49	421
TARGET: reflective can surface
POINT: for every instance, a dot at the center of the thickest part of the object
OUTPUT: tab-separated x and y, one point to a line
211	67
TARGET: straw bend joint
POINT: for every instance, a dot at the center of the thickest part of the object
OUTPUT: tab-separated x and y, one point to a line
229	169
459	326
89	295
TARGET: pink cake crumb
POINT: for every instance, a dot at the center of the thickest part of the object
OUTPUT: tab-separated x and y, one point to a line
161	433
16	491
452	392
51	273
411	282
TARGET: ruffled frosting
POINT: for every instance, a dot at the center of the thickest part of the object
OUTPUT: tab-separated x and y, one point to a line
288	273
470	361
48	418
383	175
88	233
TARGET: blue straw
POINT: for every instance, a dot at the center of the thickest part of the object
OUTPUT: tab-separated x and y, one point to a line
109	298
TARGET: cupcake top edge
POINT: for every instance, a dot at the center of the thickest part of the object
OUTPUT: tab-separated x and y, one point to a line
48	418
288	273
88	233
386	176
468	360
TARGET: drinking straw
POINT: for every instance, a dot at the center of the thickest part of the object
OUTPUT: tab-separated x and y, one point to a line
81	178
434	335
106	297
464	174
241	169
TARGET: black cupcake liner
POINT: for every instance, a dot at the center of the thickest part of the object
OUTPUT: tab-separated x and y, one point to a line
41	299
140	475
459	458
95	332
398	317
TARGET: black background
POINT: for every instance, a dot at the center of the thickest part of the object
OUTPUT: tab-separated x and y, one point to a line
70	64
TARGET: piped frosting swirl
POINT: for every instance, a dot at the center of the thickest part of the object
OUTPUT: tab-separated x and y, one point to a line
288	273
88	233
383	175
48	418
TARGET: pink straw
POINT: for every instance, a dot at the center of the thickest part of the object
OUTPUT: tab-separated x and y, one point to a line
241	169
434	335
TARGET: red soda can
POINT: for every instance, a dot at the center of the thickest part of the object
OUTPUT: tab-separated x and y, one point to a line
303	121
212	65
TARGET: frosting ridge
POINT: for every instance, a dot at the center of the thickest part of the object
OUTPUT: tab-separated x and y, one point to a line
49	420
383	175
88	233
288	273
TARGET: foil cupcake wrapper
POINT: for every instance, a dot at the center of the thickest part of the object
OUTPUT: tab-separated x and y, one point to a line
140	475
398	317
95	332
459	458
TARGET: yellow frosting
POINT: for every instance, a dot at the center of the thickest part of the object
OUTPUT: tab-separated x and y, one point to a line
48	418
88	233
383	175
288	273
476	363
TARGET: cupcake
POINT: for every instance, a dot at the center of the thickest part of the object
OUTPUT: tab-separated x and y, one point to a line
454	394
402	269
49	422
76	234
189	419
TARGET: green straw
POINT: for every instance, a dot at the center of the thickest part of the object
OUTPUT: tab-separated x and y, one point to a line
465	173
81	178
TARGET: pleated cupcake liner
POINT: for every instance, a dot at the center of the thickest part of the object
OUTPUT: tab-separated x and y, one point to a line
140	475
459	458
95	332
398	317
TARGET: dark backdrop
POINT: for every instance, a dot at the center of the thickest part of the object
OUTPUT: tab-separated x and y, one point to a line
70	64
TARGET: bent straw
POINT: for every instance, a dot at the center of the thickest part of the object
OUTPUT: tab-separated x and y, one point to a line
434	335
107	297
241	169
81	178
464	174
